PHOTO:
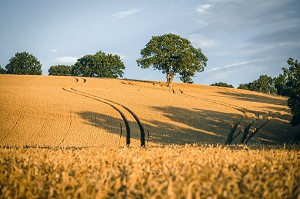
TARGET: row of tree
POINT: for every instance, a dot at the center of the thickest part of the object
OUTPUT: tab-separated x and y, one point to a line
286	84
97	65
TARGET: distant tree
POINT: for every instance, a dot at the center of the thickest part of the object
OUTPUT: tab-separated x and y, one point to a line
293	89
264	84
24	64
99	65
222	84
2	71
60	70
280	83
244	86
172	55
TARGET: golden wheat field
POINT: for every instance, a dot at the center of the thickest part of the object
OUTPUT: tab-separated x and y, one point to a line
65	137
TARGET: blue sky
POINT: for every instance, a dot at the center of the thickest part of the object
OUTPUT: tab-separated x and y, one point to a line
242	39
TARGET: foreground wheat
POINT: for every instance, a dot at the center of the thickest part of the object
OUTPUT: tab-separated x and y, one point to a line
154	172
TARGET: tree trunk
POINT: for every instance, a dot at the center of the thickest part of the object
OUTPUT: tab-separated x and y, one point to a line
170	79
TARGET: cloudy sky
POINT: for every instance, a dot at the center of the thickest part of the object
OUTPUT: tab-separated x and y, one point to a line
242	39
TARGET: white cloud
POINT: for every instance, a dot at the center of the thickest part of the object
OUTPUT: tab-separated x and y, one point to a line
123	14
122	56
229	66
201	9
67	60
199	41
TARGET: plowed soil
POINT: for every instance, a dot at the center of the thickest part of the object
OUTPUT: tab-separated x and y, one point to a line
69	111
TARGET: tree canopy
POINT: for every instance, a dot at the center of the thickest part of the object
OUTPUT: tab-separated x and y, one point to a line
264	84
60	70
99	65
172	55
293	89
2	71
222	84
24	64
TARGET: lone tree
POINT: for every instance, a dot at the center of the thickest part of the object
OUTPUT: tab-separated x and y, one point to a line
293	89
172	55
99	65
24	64
60	70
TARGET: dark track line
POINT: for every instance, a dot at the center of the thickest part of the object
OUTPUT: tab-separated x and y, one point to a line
66	134
142	130
255	132
10	130
231	133
114	107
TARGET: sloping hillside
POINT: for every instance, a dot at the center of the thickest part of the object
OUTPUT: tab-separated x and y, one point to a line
69	111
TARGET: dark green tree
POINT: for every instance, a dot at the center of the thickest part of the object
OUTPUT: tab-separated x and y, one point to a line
264	84
60	70
222	84
99	65
293	89
24	64
280	83
172	55
2	71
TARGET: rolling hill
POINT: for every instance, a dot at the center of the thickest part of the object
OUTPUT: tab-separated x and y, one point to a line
82	112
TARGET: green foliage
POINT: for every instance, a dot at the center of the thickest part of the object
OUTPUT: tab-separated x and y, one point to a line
24	64
264	84
2	71
99	65
60	70
293	89
222	84
172	55
280	83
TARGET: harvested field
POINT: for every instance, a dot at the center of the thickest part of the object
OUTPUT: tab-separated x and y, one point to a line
66	137
68	111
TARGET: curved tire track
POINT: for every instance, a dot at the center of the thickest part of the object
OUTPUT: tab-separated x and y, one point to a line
142	130
74	91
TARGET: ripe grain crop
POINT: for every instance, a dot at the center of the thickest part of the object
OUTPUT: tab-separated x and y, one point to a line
187	171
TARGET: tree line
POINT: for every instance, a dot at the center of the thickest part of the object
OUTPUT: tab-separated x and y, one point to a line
172	55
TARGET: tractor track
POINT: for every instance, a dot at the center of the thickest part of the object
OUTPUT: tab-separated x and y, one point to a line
234	131
12	128
68	130
114	106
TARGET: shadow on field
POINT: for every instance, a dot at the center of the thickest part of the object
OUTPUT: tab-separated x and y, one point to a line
105	122
185	126
252	97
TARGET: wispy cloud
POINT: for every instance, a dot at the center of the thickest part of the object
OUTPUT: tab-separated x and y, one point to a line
235	64
53	50
123	14
67	60
200	41
202	8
